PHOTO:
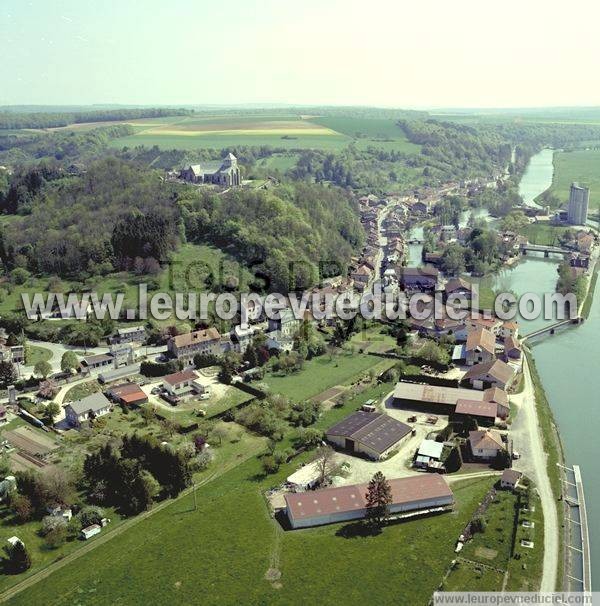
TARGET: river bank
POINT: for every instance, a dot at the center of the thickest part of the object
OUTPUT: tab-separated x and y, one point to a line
565	366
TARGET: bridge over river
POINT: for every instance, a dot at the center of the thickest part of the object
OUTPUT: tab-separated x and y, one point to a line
547	250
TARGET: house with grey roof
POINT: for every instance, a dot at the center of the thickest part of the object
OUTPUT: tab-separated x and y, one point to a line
87	409
225	173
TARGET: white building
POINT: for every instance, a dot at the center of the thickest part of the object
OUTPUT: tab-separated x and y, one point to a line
579	198
182	383
87	409
343	503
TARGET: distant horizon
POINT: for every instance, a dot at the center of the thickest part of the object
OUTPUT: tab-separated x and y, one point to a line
275	105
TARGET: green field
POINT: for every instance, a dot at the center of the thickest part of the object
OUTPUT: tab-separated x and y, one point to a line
323	372
292	132
38	354
582	166
544	234
220	553
188	270
376	132
280	162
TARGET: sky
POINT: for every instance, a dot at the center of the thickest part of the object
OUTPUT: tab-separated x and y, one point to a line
389	53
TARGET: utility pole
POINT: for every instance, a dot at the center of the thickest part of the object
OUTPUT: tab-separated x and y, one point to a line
195	501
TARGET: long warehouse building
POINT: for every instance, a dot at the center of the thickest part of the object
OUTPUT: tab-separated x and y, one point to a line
343	503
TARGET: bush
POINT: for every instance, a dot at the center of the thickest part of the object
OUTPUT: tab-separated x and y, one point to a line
19	276
56	537
478	524
90	515
50	523
154	369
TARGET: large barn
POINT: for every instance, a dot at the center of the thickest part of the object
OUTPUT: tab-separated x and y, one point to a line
443	400
371	433
331	505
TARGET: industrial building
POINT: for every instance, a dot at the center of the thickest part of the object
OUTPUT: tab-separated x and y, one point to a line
371	433
579	199
344	503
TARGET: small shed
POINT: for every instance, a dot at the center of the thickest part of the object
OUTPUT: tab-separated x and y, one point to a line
90	531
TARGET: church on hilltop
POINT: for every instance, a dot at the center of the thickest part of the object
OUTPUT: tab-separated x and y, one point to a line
225	173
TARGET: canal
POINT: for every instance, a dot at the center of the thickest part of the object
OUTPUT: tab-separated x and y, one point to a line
568	364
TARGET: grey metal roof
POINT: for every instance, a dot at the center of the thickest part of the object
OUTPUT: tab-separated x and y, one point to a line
374	430
93	403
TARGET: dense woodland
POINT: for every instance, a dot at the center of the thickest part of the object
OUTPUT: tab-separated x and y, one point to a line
118	213
12	120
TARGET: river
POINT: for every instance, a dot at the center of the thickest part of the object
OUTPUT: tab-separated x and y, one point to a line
568	364
537	177
415	250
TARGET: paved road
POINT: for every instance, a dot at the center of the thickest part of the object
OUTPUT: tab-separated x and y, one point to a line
58	349
528	441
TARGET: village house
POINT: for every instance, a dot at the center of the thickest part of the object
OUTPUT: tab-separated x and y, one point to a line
500	398
510	479
225	173
182	383
369	433
480	346
512	350
457	287
509	328
186	346
419	278
286	324
361	276
343	503
490	374
12	353
87	409
486	444
97	361
492	324
130	334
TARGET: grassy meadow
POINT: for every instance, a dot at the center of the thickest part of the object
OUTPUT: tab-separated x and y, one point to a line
376	132
324	372
228	550
582	166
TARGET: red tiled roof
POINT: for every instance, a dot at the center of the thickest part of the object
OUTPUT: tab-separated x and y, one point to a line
476	409
180	377
482	338
350	498
496	369
128	393
198	336
488	440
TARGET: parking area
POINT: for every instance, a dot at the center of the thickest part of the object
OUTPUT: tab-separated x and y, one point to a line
399	464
